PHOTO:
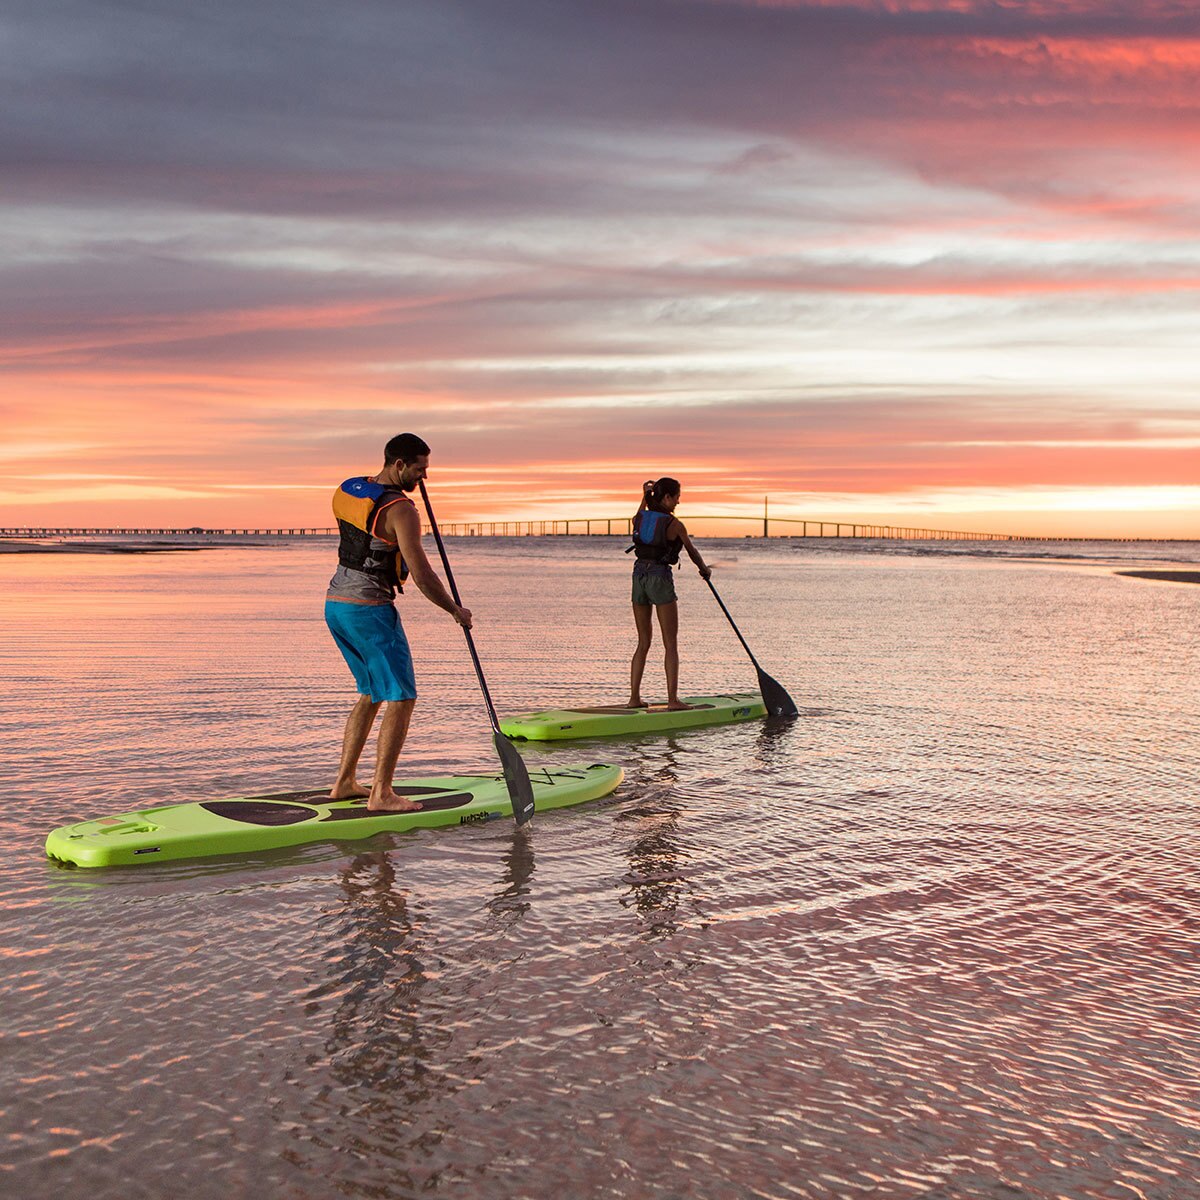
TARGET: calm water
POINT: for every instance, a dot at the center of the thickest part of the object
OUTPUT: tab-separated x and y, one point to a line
937	938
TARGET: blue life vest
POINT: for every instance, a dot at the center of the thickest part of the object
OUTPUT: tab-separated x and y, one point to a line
650	542
357	505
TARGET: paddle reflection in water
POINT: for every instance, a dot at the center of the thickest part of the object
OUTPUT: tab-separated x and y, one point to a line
510	905
776	740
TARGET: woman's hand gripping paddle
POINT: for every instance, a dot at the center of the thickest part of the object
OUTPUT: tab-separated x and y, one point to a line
520	790
778	702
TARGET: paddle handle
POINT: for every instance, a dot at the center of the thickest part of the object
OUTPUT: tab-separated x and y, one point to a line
483	687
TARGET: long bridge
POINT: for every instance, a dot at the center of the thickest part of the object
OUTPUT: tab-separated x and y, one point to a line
623	527
796	527
30	531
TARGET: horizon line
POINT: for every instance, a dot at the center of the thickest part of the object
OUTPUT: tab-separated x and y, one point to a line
474	529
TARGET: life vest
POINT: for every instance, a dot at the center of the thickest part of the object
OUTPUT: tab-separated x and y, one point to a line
357	505
650	542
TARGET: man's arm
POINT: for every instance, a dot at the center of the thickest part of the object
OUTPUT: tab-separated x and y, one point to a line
677	530
404	525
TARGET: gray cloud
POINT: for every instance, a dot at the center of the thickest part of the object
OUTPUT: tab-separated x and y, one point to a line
374	106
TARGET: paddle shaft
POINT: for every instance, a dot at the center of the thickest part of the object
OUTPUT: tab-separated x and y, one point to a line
483	687
778	702
734	624
516	775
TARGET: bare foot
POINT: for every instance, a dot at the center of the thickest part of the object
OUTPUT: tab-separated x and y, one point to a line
635	702
348	791
388	801
677	706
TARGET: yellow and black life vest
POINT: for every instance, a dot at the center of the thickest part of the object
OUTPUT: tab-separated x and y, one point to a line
357	505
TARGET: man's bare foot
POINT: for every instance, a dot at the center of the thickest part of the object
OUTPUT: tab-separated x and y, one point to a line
635	702
677	706
348	791
386	800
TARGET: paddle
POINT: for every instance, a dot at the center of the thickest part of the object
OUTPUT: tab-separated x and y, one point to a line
520	790
778	702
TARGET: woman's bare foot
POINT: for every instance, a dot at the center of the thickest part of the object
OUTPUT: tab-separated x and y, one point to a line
386	800
348	791
677	706
635	702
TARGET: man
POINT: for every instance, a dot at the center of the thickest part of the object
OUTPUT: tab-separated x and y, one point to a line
379	548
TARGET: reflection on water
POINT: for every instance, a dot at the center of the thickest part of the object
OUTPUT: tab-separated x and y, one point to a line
933	939
376	1030
776	736
510	904
379	1050
657	860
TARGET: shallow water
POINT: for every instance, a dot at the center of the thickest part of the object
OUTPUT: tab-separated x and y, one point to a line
937	938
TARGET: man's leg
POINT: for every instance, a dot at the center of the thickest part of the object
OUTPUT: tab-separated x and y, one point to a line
645	632
358	727
393	729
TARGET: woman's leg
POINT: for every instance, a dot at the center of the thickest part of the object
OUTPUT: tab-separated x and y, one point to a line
645	632
668	622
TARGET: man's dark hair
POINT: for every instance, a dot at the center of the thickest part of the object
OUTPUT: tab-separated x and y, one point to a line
405	447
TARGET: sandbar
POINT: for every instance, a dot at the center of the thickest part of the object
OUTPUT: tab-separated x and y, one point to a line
1166	576
25	546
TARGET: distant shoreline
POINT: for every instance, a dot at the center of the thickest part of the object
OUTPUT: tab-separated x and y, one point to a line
23	546
1185	572
1165	576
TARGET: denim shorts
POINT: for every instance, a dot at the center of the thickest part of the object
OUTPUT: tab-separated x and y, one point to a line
653	583
373	644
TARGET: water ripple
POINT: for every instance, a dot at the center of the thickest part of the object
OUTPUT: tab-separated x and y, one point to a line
936	939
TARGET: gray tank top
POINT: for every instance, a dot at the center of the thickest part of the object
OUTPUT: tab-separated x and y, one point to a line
349	584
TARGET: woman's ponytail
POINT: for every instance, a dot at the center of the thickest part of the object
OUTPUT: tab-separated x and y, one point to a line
666	486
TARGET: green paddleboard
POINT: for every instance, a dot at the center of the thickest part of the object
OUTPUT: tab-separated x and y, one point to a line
243	824
555	724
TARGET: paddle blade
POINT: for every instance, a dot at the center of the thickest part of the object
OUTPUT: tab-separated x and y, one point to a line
516	775
778	702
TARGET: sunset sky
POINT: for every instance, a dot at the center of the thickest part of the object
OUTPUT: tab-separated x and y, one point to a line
933	262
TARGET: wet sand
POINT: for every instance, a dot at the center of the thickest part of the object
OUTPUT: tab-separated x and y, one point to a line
1168	576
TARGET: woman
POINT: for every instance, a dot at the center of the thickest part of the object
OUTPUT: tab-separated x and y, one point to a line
658	537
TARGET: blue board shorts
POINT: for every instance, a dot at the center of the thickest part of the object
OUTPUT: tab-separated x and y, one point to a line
373	644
